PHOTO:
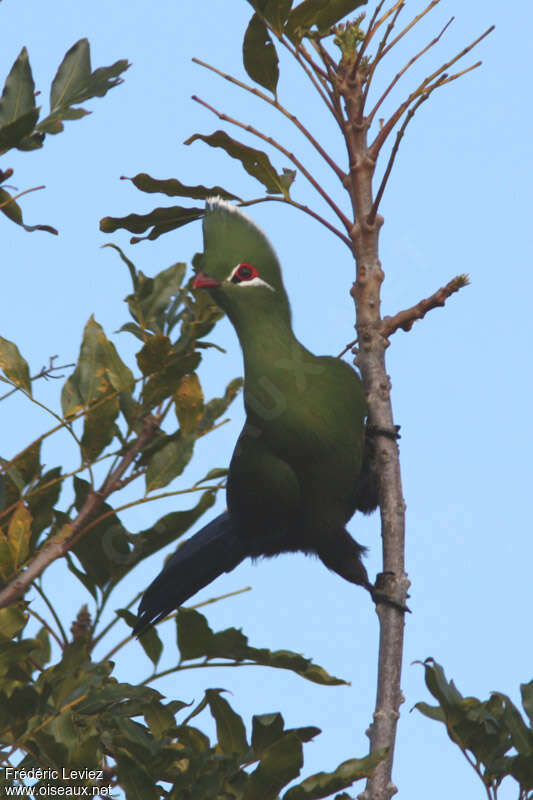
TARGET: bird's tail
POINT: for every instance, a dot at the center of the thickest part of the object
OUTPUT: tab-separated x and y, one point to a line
202	558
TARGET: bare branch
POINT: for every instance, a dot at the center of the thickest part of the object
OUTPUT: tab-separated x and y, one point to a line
439	77
397	8
404	70
297	163
277	105
20	194
399	136
69	535
406	318
45	372
294	51
411	25
306	210
372	28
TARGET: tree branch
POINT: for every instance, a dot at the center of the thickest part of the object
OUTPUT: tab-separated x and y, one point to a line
406	318
67	537
297	163
426	87
404	70
306	210
277	105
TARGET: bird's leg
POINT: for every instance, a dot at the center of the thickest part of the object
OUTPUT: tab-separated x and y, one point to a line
343	556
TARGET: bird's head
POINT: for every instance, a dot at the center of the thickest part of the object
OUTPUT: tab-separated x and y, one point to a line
238	265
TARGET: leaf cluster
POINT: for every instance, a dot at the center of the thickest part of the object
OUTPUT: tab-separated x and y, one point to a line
112	406
492	734
20	123
74	715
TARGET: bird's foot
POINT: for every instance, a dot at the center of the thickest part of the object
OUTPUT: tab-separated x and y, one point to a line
391	433
381	593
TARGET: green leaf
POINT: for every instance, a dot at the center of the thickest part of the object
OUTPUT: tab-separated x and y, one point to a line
280	763
18	534
213	474
231	733
130	265
197	640
12	210
174	188
12	620
266	729
13	133
259	55
161	220
98	378
72	75
255	162
274	11
169	462
13	365
154	356
320	13
526	690
149	641
74	83
189	400
218	405
18	95
163	384
98	372
134	778
323	784
106	549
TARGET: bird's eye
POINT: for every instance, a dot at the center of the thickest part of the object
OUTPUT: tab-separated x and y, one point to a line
244	272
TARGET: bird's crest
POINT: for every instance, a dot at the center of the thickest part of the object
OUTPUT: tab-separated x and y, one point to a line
231	238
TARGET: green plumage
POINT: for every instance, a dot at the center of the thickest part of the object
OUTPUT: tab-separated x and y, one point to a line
301	466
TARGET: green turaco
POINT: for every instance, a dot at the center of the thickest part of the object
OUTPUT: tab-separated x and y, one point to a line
300	468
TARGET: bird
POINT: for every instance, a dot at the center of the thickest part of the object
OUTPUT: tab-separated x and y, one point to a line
304	461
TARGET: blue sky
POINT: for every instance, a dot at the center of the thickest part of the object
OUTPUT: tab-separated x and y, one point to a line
458	201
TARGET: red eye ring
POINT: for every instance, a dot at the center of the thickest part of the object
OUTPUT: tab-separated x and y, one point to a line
244	272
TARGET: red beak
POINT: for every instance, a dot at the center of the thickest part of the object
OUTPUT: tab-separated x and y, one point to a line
203	281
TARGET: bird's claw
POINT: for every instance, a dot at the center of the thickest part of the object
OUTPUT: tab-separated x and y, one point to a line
390	433
381	595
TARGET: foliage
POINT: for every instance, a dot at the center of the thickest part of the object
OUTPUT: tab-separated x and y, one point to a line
59	708
72	716
20	127
491	734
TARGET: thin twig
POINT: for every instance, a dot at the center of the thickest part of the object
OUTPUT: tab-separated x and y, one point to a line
397	9
409	26
406	318
20	194
52	610
130	637
425	87
277	105
399	136
45	372
348	347
407	66
67	537
306	210
297	163
46	625
372	28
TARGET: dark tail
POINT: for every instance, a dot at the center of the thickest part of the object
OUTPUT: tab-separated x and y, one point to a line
202	558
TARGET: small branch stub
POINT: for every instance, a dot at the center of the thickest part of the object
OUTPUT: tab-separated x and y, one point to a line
405	319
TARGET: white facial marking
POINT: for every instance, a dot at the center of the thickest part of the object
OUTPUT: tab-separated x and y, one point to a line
256	281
